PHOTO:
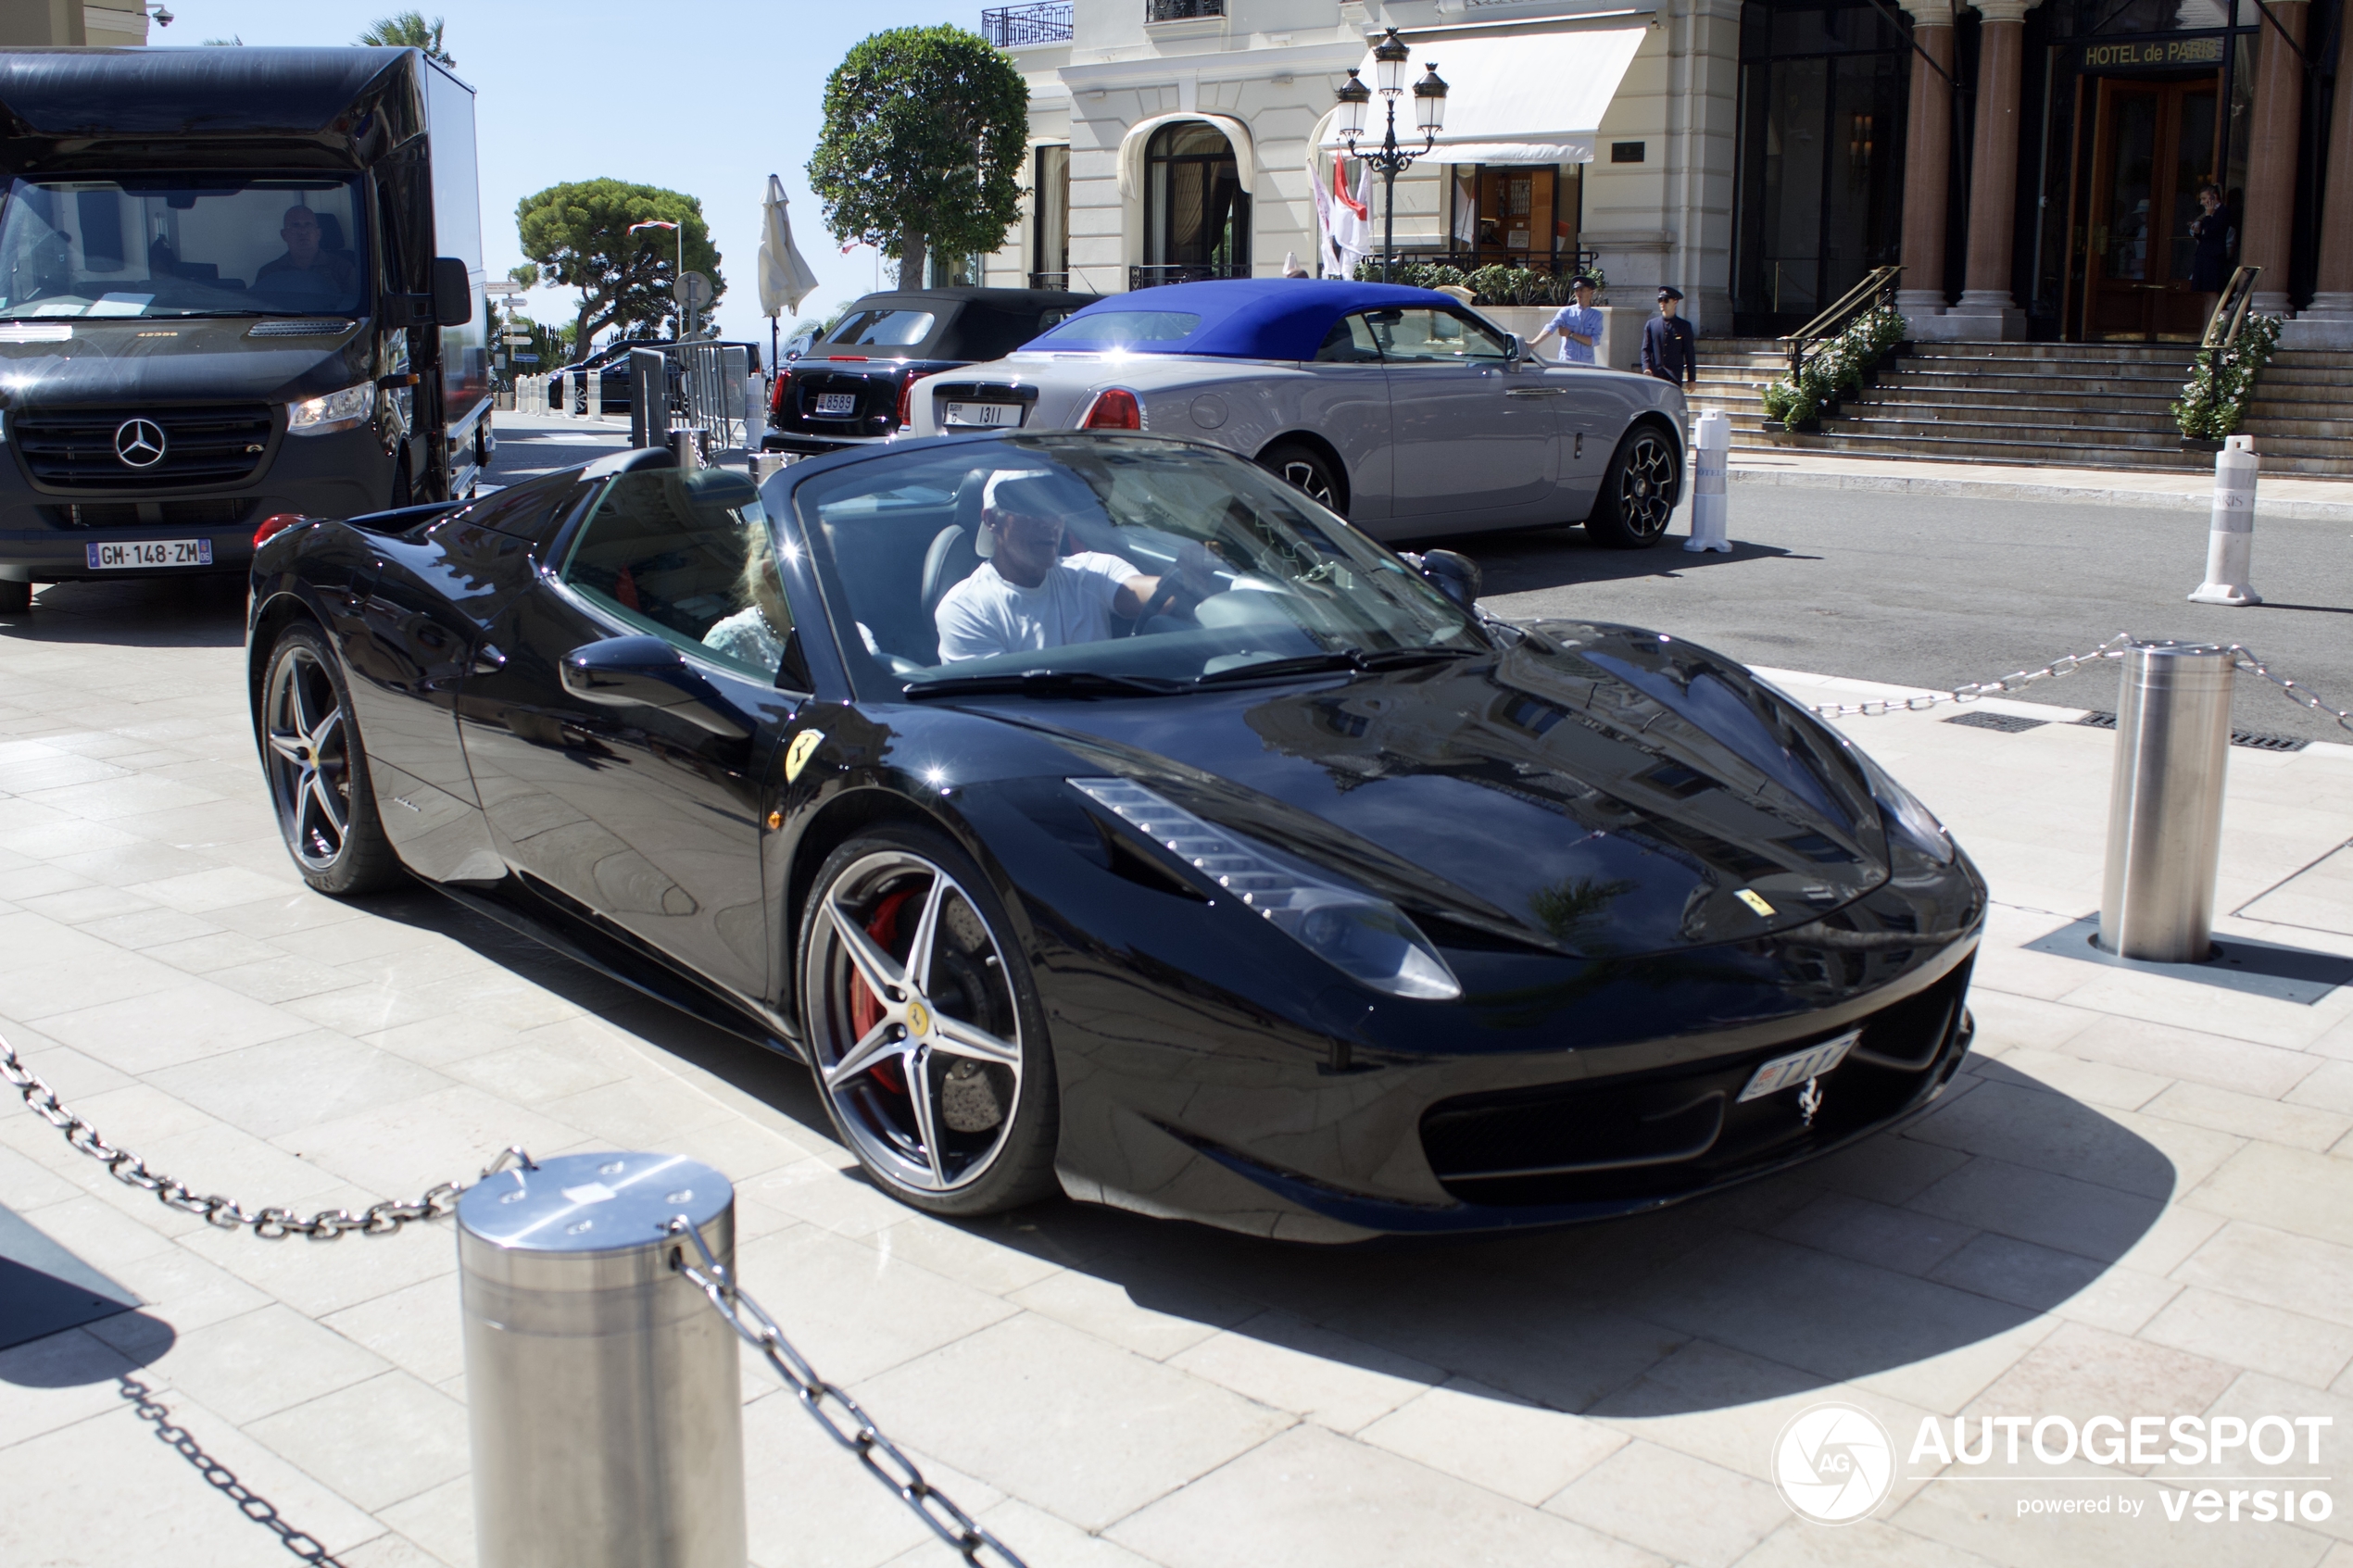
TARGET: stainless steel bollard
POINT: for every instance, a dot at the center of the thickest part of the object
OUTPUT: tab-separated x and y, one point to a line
2165	803
608	1421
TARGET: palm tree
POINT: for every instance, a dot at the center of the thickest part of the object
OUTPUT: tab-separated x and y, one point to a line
409	30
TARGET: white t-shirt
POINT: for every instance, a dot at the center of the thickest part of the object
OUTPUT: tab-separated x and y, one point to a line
984	614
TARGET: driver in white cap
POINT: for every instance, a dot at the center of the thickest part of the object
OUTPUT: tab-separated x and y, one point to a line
1026	593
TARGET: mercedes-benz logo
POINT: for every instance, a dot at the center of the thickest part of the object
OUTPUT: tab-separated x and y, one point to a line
139	442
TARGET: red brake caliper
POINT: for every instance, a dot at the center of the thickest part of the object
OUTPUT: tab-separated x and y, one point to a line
865	1008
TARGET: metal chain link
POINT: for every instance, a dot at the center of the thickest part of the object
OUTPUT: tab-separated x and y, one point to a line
853	1429
2113	648
273	1224
2295	691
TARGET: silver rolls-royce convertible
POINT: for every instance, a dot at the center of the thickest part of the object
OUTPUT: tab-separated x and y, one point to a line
1406	412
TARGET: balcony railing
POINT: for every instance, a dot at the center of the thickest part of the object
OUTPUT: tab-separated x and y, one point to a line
1185	273
1182	10
1010	27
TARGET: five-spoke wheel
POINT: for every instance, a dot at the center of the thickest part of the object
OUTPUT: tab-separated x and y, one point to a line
1308	471
317	775
1638	490
923	1028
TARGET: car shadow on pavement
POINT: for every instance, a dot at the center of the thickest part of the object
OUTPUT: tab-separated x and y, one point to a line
2002	1203
143	613
1530	560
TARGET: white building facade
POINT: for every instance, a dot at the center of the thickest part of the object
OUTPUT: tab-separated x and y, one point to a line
1178	139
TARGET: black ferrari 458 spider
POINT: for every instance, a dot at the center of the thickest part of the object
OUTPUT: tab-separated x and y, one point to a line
1098	814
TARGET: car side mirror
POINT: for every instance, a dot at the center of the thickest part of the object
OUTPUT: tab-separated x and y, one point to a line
453	292
1514	349
648	672
1455	575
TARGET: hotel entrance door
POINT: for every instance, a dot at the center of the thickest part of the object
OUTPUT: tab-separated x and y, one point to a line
2153	143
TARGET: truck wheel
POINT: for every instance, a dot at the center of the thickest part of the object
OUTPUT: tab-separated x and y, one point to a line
402	492
1639	491
15	598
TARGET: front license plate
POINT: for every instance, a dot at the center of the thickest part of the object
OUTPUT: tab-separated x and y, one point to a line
986	415
1811	1062
145	553
838	404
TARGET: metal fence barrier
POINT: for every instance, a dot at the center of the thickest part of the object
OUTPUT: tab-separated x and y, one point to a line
717	393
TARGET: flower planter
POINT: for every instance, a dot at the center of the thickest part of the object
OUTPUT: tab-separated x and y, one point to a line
2200	443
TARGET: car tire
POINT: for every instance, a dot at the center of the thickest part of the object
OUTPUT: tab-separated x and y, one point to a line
317	769
15	598
1639	491
403	491
969	1035
1308	471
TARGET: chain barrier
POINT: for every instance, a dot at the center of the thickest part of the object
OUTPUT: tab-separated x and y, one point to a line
853	1429
2113	648
2243	658
273	1224
2295	691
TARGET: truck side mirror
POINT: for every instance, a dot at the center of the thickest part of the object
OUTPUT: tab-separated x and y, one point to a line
453	292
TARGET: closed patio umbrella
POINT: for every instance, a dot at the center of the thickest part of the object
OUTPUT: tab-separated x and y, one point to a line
785	277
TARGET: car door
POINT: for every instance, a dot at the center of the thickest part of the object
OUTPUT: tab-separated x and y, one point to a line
1590	408
647	815
1349	404
1472	448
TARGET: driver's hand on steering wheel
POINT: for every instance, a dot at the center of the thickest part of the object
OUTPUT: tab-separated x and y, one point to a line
1195	577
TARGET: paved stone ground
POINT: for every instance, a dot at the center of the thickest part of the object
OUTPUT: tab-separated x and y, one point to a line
2138	1200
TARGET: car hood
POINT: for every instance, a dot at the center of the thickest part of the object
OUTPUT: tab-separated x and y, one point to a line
1617	793
164	361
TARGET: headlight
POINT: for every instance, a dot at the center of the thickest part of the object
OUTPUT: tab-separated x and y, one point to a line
1368	938
1906	815
336	411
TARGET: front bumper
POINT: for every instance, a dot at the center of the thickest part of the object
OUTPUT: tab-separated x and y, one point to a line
44	531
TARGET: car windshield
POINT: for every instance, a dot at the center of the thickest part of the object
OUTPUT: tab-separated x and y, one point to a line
183	245
1075	565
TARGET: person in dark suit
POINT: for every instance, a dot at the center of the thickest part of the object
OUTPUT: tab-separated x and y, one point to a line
2211	260
1670	347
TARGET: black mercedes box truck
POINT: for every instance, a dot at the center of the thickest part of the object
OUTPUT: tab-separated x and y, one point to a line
233	283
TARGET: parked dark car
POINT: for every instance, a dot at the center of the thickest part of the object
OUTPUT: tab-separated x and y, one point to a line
1282	891
611	364
852	385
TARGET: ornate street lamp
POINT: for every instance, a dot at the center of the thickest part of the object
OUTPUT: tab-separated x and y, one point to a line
1429	117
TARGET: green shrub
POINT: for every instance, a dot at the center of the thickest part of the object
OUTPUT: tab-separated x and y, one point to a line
2222	382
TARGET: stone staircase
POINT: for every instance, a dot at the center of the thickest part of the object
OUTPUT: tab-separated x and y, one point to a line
2069	405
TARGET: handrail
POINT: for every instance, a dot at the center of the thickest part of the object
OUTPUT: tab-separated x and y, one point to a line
2230	310
1877	289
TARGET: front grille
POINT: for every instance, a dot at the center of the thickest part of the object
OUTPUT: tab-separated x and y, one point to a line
1678	1131
74	449
150	514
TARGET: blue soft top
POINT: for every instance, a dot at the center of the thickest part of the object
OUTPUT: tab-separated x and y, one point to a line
1232	318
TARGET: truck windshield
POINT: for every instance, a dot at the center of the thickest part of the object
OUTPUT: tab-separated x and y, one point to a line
183	245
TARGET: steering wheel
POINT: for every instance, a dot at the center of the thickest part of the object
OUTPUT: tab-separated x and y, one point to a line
1163	597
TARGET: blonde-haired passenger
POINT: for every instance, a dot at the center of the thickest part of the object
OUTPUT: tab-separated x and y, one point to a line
755	634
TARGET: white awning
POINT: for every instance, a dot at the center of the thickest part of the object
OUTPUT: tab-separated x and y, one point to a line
1527	97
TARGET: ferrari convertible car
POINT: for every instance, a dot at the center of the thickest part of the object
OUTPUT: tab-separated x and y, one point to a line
1098	814
1408	413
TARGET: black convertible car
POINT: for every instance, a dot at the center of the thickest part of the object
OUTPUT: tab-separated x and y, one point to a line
1098	814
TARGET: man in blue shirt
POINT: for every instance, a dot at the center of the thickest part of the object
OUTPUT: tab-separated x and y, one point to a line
1670	347
1577	325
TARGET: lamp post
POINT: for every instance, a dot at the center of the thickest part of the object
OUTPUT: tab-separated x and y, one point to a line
681	272
1430	117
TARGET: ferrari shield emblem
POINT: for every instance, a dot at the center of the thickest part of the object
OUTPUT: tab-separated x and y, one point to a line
804	746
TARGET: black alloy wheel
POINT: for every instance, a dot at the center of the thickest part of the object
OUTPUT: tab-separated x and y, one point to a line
1307	470
923	1027
318	772
1639	491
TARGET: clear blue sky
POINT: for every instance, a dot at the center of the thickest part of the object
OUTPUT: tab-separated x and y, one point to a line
705	96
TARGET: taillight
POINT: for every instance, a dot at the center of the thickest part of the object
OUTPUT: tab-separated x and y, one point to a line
907	401
777	397
1114	408
275	524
